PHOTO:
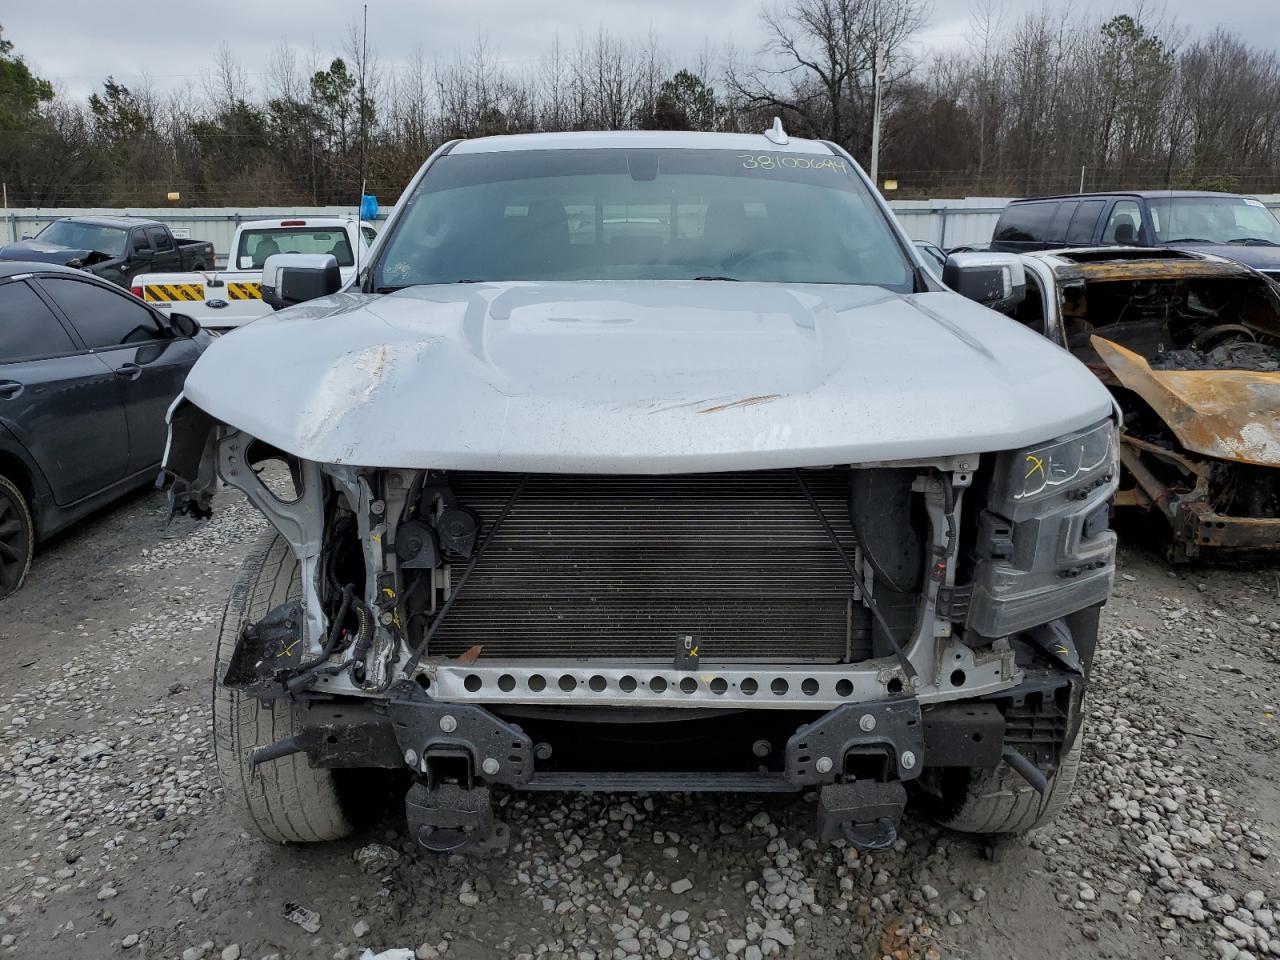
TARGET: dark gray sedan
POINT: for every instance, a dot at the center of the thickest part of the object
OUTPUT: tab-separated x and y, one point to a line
87	372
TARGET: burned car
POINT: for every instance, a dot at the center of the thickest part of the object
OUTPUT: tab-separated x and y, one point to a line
1189	344
651	462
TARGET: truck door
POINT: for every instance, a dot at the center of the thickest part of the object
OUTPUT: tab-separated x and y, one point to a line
149	363
63	404
140	257
167	256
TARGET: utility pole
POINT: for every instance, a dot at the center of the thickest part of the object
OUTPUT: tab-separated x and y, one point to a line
877	65
1081	190
364	124
364	121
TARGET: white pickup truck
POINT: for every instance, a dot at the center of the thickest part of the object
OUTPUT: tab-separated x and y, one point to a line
224	299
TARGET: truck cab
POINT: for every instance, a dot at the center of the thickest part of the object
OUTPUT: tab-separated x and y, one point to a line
1223	224
230	298
116	249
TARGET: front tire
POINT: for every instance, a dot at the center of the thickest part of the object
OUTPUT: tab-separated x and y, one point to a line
999	801
17	538
285	800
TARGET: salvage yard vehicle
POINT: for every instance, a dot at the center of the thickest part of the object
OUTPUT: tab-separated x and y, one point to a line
225	299
744	501
113	248
1189	344
86	375
1231	226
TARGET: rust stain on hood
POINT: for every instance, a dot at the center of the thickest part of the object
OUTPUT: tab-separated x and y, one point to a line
1227	414
746	402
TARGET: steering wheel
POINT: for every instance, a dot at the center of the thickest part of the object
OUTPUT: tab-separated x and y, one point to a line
1208	339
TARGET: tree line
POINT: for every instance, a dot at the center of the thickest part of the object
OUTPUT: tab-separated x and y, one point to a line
1032	102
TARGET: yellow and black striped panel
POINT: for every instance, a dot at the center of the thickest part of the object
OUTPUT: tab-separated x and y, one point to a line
169	292
244	291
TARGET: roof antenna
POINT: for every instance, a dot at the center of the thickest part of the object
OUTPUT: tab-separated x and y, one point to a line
776	134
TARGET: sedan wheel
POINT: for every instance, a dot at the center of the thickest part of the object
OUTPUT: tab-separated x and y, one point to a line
16	538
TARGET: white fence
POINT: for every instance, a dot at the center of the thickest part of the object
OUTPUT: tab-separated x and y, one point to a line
948	223
217	224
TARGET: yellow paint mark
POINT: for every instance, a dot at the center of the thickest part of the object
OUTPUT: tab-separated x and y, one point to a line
1036	464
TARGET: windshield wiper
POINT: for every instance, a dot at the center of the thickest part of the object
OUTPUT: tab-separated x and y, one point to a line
1190	240
716	277
1254	242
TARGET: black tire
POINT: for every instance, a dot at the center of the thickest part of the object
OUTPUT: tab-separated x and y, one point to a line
1000	801
17	538
285	800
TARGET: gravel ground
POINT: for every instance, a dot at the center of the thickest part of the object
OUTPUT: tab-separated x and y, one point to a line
117	843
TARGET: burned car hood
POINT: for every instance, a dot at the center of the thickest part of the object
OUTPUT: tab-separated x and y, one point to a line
641	377
38	252
1228	414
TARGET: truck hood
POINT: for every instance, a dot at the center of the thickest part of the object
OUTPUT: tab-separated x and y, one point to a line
641	377
1262	257
39	252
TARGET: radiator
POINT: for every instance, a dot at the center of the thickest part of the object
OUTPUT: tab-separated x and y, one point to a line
592	567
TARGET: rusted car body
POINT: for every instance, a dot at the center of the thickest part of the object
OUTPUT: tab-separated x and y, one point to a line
1189	345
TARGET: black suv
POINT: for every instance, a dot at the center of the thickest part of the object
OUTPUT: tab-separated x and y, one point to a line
1231	226
87	373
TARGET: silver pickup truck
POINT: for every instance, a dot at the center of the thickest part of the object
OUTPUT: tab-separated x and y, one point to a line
652	462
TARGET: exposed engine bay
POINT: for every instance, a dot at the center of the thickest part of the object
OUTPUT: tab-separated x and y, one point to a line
695	631
1191	352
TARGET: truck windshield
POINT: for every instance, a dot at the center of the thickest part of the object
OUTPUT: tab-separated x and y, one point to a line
641	214
85	236
256	245
1241	220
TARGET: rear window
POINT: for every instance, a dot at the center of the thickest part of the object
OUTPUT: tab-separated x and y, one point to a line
257	245
1085	222
1058	227
28	328
1026	222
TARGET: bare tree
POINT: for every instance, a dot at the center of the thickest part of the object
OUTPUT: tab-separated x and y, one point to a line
819	59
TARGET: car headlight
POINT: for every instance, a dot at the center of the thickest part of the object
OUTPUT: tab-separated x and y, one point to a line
1075	464
1043	544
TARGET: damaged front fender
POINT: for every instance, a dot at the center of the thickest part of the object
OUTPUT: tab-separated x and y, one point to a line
190	459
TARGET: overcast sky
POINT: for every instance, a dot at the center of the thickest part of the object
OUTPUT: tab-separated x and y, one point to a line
76	43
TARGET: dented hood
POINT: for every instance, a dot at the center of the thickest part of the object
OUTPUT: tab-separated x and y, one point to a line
643	377
37	251
1227	414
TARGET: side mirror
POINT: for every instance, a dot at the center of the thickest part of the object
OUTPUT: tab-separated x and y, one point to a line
143	253
292	278
995	280
183	325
